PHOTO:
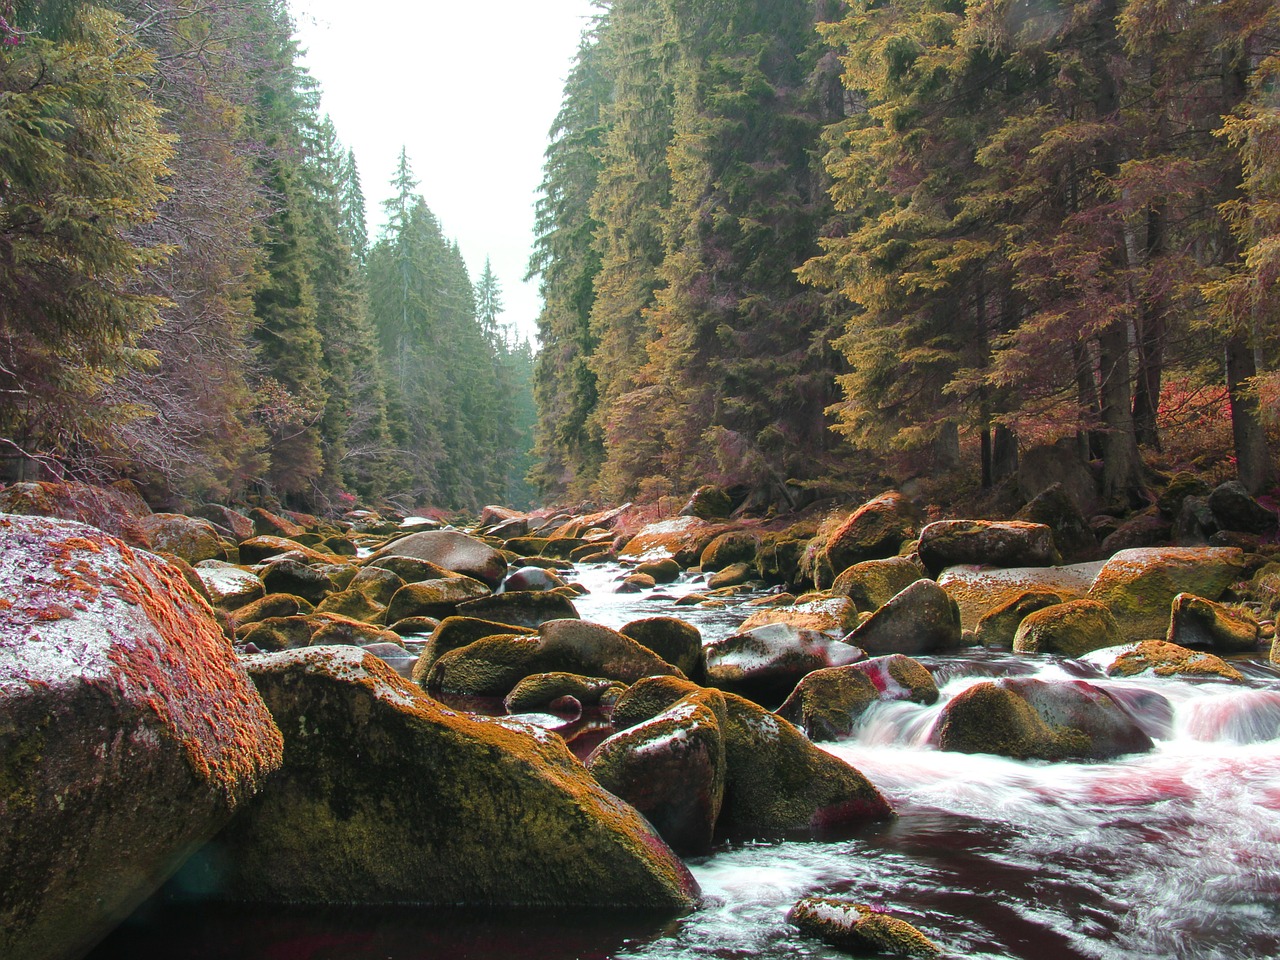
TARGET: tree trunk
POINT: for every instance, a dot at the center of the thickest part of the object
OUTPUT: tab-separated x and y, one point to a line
1087	397
1121	462
1152	326
1004	453
1254	466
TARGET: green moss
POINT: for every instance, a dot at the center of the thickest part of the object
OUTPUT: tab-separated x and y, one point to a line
20	758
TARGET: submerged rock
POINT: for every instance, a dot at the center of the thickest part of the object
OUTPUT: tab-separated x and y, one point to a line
129	732
827	703
386	796
860	928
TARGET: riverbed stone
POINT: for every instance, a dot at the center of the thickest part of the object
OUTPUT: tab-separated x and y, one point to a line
998	627
1164	659
860	929
1070	629
110	510
410	569
190	538
765	663
354	604
453	633
823	613
1197	622
531	579
387	797
873	583
676	641
734	546
538	692
129	732
996	543
452	550
266	523
1072	534
734	575
523	608
229	587
261	549
681	539
921	619
1138	586
376	583
827	703
672	769
271	605
434	598
283	575
876	529
978	590
276	633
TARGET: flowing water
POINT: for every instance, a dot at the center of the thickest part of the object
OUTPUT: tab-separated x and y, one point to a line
1171	854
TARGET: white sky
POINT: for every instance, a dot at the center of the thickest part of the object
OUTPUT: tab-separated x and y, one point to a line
471	91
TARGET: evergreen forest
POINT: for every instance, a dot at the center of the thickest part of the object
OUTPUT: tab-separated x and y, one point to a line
782	246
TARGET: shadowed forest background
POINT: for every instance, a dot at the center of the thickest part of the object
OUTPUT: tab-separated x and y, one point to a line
791	247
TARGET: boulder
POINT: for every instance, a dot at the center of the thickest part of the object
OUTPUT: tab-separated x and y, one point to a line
779	784
996	543
860	929
735	546
1197	622
376	583
998	627
331	628
411	569
827	703
834	615
453	633
353	604
648	697
1138	586
284	575
235	523
875	530
1072	535
229	586
539	693
873	583
192	540
978	590
107	509
765	663
434	598
662	570
921	619
387	797
452	550
1144	530
129	732
778	558
709	503
636	583
268	524
734	575
1164	659
1194	525
276	633
1180	486
1026	718
672	769
264	548
681	538
1235	509
523	608
1045	465
676	641
528	579
272	605
1070	629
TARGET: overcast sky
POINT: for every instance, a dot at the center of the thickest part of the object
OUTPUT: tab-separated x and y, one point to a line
471	91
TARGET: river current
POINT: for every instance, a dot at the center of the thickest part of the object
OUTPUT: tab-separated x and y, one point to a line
1171	854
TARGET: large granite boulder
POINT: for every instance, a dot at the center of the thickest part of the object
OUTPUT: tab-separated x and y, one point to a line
434	598
996	543
1069	629
191	539
128	730
873	583
263	548
1139	585
676	641
827	703
979	590
681	539
386	796
110	510
998	627
826	614
453	633
1026	718
1072	534
765	663
875	530
1197	622
229	587
921	619
523	608
452	550
734	546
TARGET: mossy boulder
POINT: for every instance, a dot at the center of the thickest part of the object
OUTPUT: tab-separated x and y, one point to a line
129	732
540	692
662	570
1072	535
1164	659
826	614
332	628
921	619
676	641
260	549
672	769
1069	629
827	703
110	510
523	608
271	605
387	797
1138	586
284	575
233	522
779	784
998	627
189	538
648	697
376	583
709	503
1197	622
733	546
979	590
996	543
1026	718
860	929
875	530
453	551
734	575
272	634
778	558
411	569
873	583
452	633
434	598
353	604
1180	486
1235	509
229	587
266	523
765	663
528	579
681	539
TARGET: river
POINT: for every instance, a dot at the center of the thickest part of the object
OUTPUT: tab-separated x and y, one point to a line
1171	854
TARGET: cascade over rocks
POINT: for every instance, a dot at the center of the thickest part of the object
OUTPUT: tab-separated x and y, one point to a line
129	732
827	703
387	797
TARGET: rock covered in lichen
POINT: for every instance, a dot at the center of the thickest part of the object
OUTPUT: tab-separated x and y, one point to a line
921	619
764	663
386	796
1071	629
826	704
860	928
451	550
996	543
1164	659
676	641
129	732
1197	622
